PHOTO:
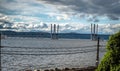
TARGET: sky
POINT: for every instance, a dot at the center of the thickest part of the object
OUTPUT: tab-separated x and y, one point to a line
70	15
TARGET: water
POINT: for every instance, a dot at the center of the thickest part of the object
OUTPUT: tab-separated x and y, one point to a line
44	53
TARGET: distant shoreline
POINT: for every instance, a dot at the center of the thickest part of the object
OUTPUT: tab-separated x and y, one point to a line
48	35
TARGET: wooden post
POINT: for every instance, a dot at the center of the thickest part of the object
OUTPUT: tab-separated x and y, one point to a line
0	53
97	55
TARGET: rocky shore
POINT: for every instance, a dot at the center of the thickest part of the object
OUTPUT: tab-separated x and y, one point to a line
90	68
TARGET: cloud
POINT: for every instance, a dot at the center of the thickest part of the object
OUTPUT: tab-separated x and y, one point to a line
21	7
28	24
91	18
44	25
109	28
27	19
113	17
63	17
37	15
6	24
86	28
109	8
1	27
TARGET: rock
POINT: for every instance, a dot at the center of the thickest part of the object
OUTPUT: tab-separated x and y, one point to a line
46	70
51	70
28	70
67	69
56	69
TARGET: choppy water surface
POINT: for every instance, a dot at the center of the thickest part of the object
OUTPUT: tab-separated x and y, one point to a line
42	53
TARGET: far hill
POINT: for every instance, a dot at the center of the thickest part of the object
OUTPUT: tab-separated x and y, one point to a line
71	35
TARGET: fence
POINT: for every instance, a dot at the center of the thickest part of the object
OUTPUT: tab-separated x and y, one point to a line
19	51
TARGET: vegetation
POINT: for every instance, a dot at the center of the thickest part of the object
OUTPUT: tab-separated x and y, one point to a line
111	60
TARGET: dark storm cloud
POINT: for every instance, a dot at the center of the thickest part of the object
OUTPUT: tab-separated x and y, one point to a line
109	8
113	17
5	9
